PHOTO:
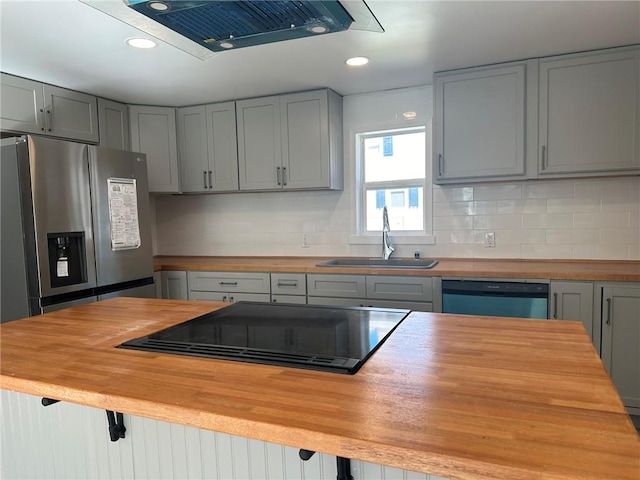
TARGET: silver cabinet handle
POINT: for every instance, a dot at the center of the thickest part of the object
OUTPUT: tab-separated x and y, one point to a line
231	299
210	179
555	305
50	120
228	283
224	299
544	157
439	164
278	176
292	283
608	311
284	176
205	179
42	119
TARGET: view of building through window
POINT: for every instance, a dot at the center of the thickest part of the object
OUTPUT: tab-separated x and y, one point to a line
393	174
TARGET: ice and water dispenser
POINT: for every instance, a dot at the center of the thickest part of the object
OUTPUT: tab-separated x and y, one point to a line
67	258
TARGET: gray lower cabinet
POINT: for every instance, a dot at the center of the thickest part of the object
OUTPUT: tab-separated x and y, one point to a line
29	106
620	343
572	301
229	286
113	125
415	293
288	288
174	285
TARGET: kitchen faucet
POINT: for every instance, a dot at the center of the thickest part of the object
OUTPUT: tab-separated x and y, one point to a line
387	248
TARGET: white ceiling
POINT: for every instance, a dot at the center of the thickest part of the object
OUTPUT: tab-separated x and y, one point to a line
70	44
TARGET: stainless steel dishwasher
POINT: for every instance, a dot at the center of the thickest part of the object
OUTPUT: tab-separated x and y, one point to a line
496	298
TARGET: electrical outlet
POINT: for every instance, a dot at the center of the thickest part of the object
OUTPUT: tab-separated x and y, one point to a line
490	239
304	241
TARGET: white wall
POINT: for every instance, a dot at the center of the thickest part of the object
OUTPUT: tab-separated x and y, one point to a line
579	218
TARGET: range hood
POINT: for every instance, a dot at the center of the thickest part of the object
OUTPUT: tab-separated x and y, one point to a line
205	27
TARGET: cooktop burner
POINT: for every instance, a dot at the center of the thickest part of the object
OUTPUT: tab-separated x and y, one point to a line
334	339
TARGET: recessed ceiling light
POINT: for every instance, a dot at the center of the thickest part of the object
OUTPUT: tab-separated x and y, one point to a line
141	43
357	61
226	44
318	29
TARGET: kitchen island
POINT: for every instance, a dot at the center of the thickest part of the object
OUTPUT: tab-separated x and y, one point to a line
450	395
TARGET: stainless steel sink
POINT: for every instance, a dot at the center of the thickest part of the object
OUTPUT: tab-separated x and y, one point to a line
380	263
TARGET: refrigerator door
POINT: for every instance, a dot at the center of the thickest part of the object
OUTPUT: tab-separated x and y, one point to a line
56	203
122	253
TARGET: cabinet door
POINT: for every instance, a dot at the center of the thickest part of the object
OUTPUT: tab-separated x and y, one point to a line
323	285
233	282
71	114
222	147
22	105
305	140
153	132
621	340
590	113
259	144
192	149
113	125
480	124
415	289
174	285
572	301
297	299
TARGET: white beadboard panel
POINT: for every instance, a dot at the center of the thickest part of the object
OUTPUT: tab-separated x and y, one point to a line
66	442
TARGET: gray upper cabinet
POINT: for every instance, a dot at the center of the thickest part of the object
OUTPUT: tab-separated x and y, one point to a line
480	124
620	349
33	107
153	132
589	113
208	148
259	144
113	122
290	142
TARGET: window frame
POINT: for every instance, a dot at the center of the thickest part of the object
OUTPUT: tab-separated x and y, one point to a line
363	187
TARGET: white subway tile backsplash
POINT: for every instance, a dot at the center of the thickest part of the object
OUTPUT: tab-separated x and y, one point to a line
547	190
619	236
497	192
573	236
600	252
573	205
547	251
452	194
495	222
534	205
547	220
453	223
601	220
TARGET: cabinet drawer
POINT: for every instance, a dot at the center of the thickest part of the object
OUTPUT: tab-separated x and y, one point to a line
336	301
288	284
299	299
417	289
229	296
229	282
413	306
320	285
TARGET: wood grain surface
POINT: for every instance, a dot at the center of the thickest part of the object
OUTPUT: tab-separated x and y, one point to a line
609	270
452	395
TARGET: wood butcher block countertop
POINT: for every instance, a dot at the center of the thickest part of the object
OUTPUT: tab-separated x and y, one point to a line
593	270
452	395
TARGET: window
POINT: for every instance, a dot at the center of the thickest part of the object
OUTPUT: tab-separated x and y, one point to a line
392	174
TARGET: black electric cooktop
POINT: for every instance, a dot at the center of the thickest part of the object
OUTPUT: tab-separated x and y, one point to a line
333	339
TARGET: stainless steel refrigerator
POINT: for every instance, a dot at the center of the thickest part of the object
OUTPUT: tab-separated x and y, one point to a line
75	225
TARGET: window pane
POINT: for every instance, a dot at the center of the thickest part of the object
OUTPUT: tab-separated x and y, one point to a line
394	157
403	215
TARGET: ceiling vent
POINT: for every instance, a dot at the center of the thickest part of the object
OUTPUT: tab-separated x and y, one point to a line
205	27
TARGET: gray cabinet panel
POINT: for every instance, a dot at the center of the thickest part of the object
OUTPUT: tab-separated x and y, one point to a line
416	289
288	284
113	125
350	286
222	147
33	107
153	132
174	285
192	149
229	282
337	301
297	299
229	296
480	123
621	340
572	301
590	113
